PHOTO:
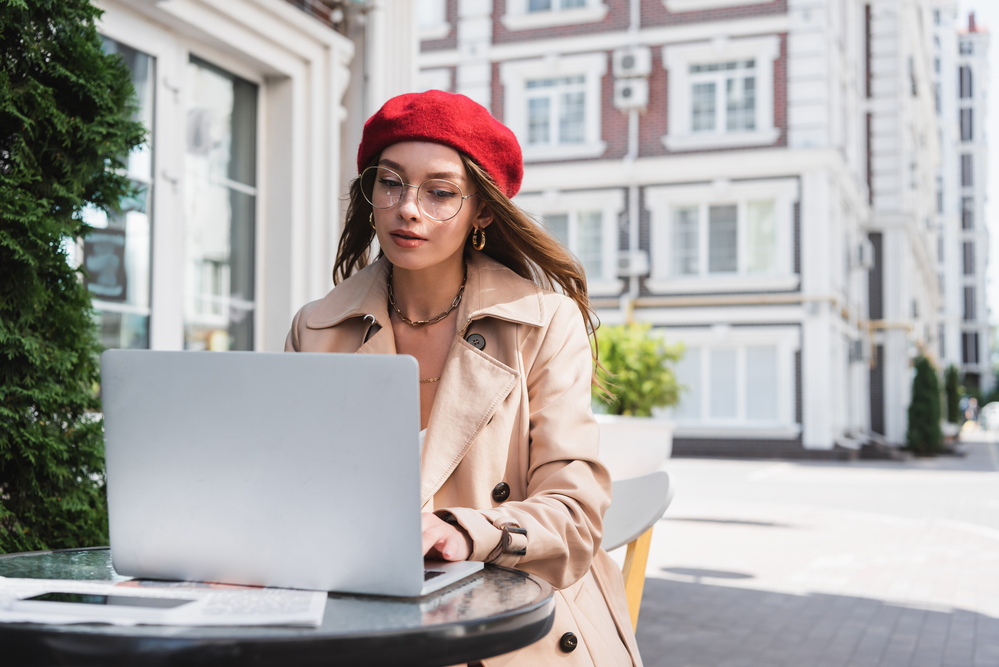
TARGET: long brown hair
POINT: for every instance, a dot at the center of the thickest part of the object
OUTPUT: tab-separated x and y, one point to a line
516	240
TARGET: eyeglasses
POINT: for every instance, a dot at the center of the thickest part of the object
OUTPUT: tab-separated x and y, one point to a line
439	200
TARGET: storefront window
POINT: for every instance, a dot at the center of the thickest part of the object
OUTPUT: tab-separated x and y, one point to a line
220	194
116	253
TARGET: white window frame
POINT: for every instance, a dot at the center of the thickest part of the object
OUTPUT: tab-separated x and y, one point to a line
701	5
677	61
787	340
515	74
610	203
437	30
660	202
439	78
518	18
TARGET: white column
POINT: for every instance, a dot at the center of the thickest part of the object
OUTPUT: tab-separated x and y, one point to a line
391	47
817	340
475	30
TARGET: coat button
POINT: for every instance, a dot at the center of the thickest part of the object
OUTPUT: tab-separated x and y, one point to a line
568	643
476	341
501	492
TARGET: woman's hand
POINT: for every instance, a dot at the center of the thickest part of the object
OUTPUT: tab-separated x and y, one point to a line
443	541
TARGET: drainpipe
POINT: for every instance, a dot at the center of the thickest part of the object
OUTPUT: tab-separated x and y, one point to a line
634	215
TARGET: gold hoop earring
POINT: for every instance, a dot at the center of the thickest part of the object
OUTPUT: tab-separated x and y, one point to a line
478	242
371	220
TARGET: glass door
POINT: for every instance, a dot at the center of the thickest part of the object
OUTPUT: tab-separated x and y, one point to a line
220	194
117	251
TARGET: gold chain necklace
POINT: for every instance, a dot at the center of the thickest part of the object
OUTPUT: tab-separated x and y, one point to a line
432	320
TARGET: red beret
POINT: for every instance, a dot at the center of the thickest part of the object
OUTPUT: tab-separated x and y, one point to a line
449	119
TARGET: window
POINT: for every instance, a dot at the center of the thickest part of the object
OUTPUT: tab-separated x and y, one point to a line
581	232
586	224
941	331
969	347
554	106
219	236
431	18
117	254
556	111
735	237
969	304
940	195
969	258
534	14
966	128
685	241
964	82
735	377
721	97
966	177
723	230
967	212
553	5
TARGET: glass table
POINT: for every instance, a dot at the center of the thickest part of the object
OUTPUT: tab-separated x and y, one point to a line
493	612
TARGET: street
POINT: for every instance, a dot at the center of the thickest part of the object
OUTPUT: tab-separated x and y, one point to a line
864	563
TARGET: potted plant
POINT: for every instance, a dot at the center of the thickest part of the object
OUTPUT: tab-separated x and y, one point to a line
637	378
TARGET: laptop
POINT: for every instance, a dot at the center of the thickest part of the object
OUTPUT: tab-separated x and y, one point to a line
270	469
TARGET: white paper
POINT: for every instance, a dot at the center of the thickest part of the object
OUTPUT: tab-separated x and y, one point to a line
211	604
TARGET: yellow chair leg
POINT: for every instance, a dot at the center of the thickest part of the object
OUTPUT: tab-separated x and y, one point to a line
634	573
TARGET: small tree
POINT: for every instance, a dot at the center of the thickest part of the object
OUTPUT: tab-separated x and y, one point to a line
637	369
64	123
952	387
924	436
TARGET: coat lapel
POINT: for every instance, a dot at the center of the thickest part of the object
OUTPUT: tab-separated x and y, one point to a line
473	383
363	295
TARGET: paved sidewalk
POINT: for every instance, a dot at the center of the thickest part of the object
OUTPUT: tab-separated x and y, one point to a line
768	563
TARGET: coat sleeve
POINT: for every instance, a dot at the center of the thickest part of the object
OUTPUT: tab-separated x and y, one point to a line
568	489
291	343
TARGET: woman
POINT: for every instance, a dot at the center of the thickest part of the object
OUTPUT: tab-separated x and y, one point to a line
509	468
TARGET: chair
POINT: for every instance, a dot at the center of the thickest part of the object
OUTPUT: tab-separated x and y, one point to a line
637	503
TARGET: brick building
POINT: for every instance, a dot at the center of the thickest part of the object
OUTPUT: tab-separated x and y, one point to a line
753	177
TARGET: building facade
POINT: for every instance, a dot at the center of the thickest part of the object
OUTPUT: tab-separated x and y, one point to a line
749	176
254	109
962	74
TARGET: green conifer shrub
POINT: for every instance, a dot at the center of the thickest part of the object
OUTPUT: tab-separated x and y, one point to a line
637	369
924	436
65	110
952	384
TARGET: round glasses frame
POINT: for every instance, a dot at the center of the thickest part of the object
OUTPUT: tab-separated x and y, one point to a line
374	169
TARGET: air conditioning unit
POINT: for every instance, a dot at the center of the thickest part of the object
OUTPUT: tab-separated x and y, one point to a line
863	256
632	263
631	93
632	62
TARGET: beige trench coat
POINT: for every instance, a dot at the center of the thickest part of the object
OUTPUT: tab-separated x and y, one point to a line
517	411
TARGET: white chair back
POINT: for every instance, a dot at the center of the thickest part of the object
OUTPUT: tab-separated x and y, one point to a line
637	503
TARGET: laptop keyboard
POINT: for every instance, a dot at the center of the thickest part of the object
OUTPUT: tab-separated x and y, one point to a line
430	574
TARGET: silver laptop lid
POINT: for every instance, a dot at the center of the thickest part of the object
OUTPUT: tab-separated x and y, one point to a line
295	470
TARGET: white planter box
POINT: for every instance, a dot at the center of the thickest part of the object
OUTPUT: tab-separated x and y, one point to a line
634	446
